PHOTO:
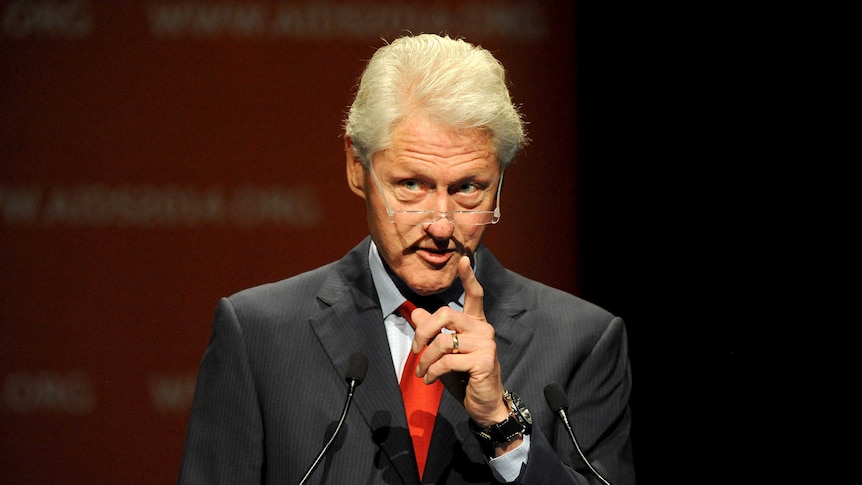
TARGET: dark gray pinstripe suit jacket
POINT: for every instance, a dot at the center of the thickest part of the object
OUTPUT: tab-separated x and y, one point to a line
271	386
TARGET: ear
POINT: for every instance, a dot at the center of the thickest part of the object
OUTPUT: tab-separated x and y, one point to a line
355	170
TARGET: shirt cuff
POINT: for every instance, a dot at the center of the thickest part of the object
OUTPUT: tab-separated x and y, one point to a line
506	468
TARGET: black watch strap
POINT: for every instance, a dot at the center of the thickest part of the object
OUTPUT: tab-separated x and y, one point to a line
516	425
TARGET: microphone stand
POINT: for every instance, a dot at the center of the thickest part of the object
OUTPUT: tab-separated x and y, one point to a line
352	387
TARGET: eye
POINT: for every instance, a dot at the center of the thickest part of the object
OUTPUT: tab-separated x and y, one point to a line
411	185
410	190
468	188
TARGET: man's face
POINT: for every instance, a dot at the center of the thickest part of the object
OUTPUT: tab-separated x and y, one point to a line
429	167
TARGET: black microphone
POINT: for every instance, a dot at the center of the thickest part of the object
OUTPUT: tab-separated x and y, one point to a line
357	367
559	403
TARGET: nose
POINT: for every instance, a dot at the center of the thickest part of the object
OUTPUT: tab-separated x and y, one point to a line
442	228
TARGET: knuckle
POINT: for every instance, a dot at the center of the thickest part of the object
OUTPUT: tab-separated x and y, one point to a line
447	313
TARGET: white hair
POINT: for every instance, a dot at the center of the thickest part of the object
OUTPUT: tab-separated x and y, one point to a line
455	83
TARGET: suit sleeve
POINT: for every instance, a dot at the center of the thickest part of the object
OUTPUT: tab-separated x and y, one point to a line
600	416
224	443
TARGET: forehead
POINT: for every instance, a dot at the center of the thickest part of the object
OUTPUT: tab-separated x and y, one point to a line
419	143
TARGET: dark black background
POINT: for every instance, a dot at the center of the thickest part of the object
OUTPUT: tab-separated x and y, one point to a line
666	166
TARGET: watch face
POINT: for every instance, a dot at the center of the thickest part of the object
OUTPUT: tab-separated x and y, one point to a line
525	413
520	409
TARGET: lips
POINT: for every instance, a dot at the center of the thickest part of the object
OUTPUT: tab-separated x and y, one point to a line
435	256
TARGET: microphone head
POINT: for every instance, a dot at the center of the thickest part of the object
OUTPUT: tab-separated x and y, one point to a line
357	367
556	397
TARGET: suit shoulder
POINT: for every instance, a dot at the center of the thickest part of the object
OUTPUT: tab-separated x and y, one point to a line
541	296
559	319
280	296
559	306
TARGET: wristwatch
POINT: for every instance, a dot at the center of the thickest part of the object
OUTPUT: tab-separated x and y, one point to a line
517	424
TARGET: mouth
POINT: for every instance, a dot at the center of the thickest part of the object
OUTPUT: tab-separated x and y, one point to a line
435	256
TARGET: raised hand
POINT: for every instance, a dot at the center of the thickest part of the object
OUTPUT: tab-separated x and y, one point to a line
469	370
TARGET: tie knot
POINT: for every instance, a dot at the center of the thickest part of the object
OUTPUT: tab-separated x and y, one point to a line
406	309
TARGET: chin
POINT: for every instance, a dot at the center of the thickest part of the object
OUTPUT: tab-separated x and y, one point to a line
427	287
428	280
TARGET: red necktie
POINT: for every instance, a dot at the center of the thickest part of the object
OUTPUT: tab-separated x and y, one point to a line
420	400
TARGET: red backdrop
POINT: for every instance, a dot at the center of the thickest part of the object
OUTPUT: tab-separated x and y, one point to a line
155	156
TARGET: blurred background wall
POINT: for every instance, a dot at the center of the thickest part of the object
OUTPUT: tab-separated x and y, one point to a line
157	155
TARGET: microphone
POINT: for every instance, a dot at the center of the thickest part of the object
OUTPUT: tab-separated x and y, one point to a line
357	367
559	403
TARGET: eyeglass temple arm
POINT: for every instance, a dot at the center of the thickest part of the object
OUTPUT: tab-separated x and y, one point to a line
389	211
499	190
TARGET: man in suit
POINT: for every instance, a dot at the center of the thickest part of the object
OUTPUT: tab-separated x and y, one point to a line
427	140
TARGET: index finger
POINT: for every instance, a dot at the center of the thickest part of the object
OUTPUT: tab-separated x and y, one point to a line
474	294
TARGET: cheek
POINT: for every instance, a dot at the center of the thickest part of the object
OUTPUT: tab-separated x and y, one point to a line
391	239
470	235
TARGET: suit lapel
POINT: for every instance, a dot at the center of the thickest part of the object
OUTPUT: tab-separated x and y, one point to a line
504	306
351	321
